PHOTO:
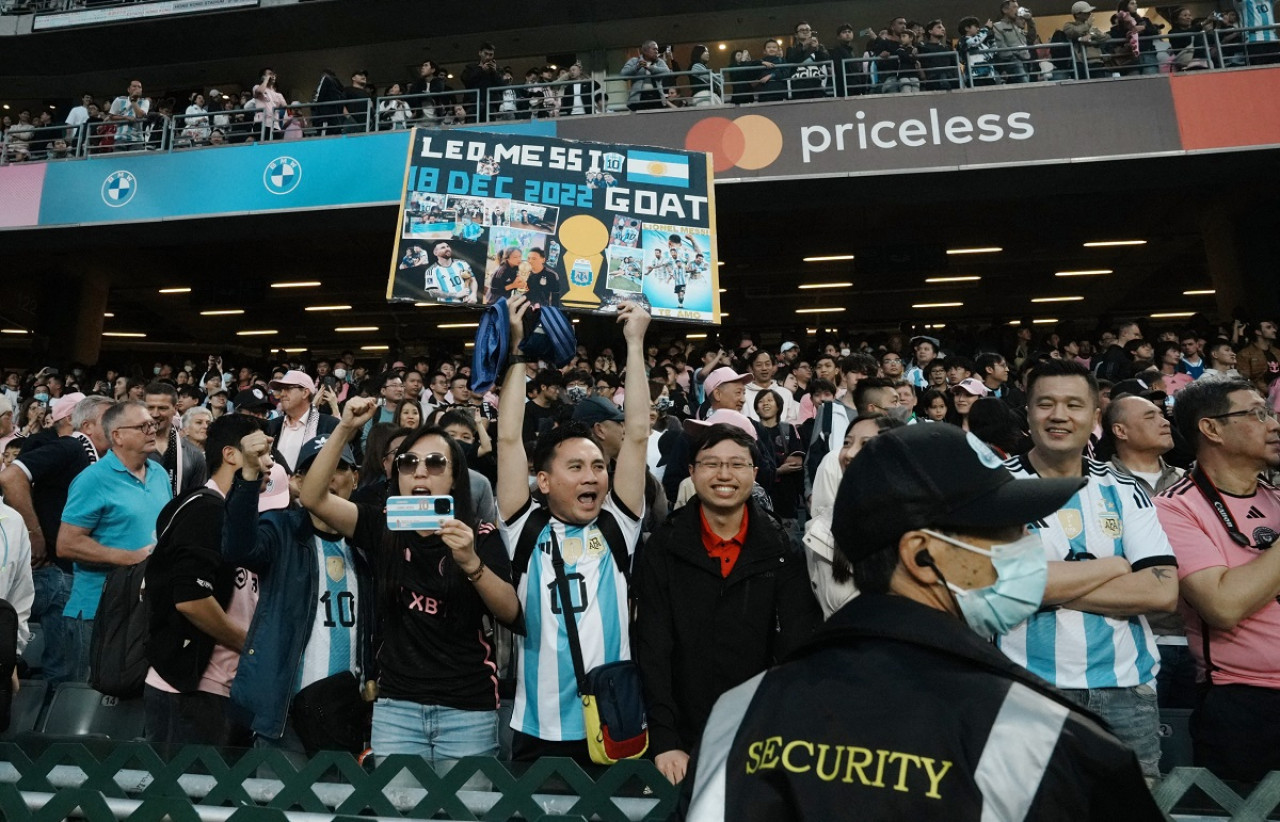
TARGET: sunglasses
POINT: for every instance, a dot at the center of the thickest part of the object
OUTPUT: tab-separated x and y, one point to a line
407	463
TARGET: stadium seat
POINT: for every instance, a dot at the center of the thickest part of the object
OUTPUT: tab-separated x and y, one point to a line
79	710
1175	738
25	710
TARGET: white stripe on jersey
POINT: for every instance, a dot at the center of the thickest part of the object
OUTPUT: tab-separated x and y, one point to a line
1254	13
547	704
449	278
333	614
1110	516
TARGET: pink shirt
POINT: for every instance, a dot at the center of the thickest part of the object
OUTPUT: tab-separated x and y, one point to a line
1250	653
1173	383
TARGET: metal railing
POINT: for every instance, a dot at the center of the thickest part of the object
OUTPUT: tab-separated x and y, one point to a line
1058	60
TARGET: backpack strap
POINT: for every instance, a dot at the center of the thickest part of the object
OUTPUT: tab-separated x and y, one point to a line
612	533
528	540
190	497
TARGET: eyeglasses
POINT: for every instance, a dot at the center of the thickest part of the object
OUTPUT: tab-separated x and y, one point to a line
1261	414
149	425
408	463
715	466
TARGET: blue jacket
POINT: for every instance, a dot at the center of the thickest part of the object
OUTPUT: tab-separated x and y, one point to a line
278	547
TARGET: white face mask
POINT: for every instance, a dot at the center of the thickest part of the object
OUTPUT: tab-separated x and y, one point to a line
1022	571
844	352
340	373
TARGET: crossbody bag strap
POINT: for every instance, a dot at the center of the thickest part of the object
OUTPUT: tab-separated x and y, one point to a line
566	608
1206	487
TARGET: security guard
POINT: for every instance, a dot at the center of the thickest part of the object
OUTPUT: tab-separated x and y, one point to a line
900	708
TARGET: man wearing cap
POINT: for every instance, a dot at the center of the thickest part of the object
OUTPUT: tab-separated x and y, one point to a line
1223	521
181	460
926	349
251	401
850	76
1109	564
907	711
36	486
299	421
200	605
315	608
1087	40
720	597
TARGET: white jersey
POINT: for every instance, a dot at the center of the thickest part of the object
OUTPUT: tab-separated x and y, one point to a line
333	645
547	704
1111	516
451	280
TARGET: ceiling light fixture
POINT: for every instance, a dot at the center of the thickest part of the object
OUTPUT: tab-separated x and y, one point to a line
832	310
1169	315
108	315
985	249
1113	243
175	290
1200	292
937	305
259	332
13	331
695	336
807	286
830	258
327	308
965	279
374	347
297	284
1074	299
458	325
222	312
123	334
1084	272
343	329
293	350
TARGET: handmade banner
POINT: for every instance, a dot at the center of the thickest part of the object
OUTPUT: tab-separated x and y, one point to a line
581	226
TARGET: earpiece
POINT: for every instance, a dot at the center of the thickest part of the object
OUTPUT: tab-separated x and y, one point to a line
923	557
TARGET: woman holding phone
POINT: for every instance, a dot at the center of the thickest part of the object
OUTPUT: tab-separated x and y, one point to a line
437	682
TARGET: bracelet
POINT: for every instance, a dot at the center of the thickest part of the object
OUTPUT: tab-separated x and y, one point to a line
477	573
515	357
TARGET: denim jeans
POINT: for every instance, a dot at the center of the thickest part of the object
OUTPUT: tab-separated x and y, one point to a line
53	586
434	732
1134	718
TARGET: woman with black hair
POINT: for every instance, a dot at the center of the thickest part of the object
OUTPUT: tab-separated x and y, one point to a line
437	683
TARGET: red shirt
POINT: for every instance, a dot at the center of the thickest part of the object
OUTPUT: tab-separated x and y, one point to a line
725	550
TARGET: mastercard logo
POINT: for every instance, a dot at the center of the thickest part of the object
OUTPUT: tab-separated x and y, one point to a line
749	142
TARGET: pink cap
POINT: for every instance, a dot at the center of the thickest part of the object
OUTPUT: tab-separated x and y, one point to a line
66	404
972	386
275	495
721	416
721	376
299	378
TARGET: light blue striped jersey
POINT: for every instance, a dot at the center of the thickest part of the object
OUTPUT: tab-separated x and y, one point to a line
332	646
547	704
1255	13
1111	516
449	279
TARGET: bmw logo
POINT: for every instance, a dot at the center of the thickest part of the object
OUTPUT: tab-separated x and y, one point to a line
118	189
282	175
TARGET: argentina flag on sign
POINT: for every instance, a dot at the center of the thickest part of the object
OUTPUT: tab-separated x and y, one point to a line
658	168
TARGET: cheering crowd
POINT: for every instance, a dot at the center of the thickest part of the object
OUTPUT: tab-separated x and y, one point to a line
692	507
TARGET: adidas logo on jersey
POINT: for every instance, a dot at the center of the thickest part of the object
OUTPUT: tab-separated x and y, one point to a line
1254	513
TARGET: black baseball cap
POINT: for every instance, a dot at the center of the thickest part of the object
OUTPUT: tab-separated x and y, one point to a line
307	453
251	399
934	475
597	409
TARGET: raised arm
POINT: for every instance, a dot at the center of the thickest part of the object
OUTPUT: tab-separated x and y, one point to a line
338	513
630	473
513	463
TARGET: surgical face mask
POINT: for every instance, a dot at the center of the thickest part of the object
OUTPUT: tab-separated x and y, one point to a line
155	370
42	398
663	404
576	394
340	373
844	352
1021	574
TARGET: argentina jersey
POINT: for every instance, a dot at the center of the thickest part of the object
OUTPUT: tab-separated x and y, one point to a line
449	279
547	704
1257	14
1110	516
332	646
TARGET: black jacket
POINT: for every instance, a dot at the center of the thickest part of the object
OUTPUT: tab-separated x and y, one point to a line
698	634
901	712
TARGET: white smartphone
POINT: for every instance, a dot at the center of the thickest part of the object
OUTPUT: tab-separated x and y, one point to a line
418	513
